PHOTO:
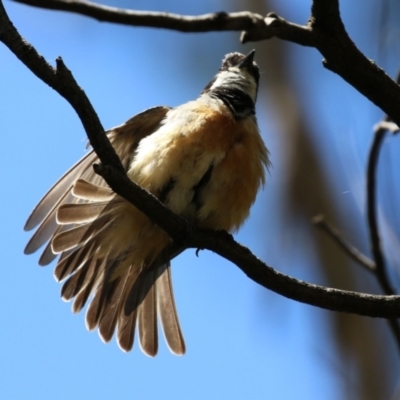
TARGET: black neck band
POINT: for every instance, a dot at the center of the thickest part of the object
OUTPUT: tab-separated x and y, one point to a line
240	103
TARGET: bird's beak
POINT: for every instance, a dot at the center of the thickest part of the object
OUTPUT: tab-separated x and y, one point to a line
248	60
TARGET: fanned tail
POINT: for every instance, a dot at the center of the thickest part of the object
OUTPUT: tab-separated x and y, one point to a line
138	297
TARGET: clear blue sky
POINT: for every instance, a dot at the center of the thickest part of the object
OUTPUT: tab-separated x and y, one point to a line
242	343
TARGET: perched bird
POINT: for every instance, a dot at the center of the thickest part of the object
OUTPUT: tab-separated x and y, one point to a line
205	160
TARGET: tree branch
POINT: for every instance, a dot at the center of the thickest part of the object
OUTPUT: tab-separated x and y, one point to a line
326	11
220	21
329	36
269	278
372	214
347	247
61	80
276	26
386	125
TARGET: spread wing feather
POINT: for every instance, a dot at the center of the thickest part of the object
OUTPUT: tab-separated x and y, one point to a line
76	216
88	191
59	190
79	235
47	227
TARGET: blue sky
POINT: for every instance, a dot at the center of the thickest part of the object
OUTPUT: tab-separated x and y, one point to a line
242	342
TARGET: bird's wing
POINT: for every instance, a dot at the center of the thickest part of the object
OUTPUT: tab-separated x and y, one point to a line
124	138
76	217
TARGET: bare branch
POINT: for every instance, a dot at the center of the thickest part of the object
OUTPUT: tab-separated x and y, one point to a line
347	247
372	213
253	26
386	125
276	26
220	21
343	57
323	297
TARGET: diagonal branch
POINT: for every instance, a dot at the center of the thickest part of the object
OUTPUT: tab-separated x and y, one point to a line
343	57
61	80
320	222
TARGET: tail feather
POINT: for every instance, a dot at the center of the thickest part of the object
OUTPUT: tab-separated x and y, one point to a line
70	264
76	282
109	318
148	334
66	253
84	294
94	310
73	261
168	315
126	330
106	288
127	321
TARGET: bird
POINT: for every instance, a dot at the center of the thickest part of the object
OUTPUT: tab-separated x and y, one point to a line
205	160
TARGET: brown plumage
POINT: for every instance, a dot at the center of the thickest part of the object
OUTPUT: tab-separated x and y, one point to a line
204	160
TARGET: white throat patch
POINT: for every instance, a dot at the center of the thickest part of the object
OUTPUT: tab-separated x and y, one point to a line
237	79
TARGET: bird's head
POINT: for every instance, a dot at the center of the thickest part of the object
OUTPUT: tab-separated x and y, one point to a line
237	71
238	77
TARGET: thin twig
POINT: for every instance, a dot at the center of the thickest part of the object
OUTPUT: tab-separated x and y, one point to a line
346	246
372	213
219	21
254	26
372	217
